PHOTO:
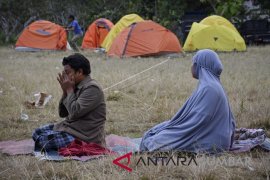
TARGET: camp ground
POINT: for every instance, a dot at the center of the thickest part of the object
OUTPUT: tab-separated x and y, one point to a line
213	32
158	87
155	90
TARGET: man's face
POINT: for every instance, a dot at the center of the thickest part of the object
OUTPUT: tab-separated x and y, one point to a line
71	73
70	20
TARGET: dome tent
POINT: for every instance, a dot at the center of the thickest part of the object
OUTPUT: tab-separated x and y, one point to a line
216	33
42	35
96	33
124	22
145	38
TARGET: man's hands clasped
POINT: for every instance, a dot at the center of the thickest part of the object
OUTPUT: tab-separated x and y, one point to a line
67	84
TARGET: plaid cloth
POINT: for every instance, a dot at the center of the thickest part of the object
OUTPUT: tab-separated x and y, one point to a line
47	139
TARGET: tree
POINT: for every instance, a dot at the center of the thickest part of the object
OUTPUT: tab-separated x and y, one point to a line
227	9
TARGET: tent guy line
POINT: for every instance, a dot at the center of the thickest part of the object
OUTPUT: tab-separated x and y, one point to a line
137	74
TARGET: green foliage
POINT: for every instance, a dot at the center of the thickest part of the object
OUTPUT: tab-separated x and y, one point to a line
168	15
12	39
227	9
230	8
265	4
17	14
2	38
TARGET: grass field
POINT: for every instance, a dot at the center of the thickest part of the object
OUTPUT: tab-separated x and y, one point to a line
132	108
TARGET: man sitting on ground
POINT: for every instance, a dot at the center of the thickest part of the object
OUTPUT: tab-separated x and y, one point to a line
82	105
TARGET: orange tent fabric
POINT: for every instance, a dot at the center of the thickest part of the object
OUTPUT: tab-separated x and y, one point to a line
144	38
43	35
96	33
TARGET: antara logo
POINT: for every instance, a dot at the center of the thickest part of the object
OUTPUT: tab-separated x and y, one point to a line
155	160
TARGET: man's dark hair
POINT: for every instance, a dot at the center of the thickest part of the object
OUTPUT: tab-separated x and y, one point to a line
71	17
78	61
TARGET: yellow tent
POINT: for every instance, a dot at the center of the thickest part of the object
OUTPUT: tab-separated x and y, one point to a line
124	22
216	33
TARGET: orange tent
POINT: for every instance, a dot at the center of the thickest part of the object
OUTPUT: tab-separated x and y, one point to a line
43	35
96	33
144	38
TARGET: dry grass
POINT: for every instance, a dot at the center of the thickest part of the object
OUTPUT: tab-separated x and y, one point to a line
133	107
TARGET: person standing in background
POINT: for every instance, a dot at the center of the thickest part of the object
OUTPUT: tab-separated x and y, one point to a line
77	31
